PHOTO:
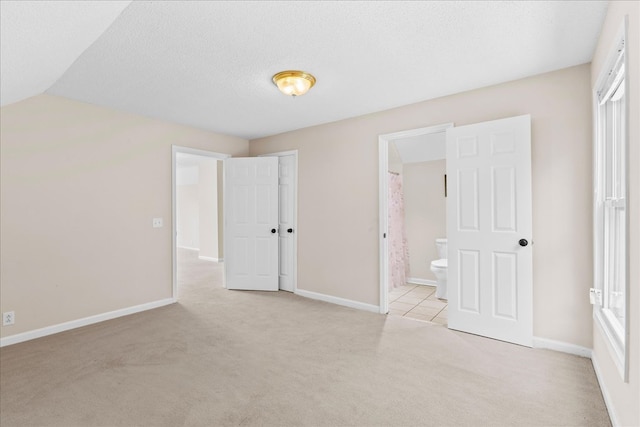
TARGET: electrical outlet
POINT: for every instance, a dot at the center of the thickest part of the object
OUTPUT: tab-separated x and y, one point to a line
157	222
8	318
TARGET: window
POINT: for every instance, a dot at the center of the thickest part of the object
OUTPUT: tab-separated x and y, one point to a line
610	203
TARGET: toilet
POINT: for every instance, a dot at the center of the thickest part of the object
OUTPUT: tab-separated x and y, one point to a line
439	269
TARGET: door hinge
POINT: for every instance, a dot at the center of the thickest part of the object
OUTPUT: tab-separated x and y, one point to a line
595	296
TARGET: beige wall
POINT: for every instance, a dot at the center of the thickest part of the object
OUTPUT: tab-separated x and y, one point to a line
624	397
338	193
198	207
79	186
187	216
425	214
208	207
220	170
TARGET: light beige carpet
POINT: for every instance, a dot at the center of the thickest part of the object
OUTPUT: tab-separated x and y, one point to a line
223	357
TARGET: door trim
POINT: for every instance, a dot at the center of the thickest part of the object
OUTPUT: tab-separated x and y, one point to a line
293	153
175	149
383	205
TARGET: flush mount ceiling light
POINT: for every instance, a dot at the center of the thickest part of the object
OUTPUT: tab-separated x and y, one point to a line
293	82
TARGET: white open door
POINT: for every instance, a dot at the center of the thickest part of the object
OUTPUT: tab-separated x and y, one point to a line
287	201
251	223
489	229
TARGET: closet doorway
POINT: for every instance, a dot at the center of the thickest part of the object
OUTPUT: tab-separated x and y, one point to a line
260	222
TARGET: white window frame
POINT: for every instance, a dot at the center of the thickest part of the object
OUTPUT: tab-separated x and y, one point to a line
612	78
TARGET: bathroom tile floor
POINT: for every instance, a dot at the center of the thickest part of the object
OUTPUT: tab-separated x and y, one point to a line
418	302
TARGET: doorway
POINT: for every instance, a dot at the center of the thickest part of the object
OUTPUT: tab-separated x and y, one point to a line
423	144
260	222
417	211
197	202
185	161
488	268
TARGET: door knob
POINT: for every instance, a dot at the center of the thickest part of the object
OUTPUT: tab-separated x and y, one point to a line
523	242
289	230
273	230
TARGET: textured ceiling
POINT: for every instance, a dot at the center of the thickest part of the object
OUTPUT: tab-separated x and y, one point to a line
209	64
39	40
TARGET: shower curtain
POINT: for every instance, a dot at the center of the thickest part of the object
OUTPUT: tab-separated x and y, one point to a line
398	249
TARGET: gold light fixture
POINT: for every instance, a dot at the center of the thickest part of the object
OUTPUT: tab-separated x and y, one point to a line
293	82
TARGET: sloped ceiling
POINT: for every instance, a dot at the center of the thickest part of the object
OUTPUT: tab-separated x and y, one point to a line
39	40
209	64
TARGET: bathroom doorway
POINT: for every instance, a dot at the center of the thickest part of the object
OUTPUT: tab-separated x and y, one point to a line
415	212
489	228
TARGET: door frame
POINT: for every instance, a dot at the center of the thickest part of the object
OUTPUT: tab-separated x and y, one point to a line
293	153
175	149
383	201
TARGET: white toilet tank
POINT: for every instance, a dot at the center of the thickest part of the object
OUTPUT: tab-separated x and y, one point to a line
441	245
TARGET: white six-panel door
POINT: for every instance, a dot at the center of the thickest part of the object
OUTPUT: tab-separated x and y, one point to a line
489	229
251	223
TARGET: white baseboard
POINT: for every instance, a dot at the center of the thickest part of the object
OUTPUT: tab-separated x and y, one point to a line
188	248
563	347
73	324
608	402
416	281
338	300
208	258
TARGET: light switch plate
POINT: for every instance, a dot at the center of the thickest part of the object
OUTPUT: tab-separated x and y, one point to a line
157	222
